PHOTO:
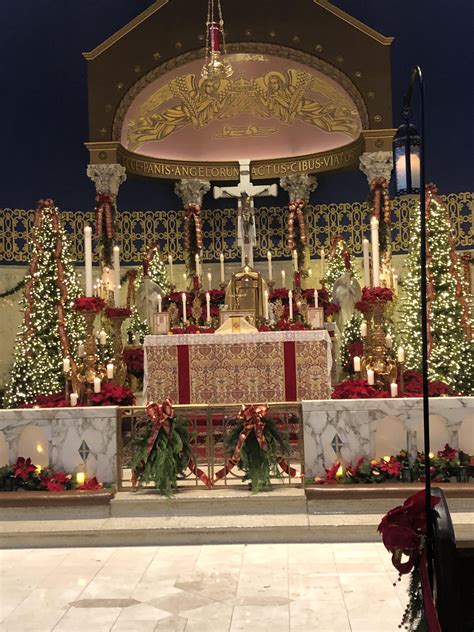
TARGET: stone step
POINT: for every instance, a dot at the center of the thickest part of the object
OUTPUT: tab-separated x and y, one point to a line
206	529
198	501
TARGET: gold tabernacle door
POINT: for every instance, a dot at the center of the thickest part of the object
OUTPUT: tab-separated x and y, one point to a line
246	291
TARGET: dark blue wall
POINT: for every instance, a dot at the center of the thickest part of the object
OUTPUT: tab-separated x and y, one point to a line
44	126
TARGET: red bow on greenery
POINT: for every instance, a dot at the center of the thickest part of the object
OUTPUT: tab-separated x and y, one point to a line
296	208
253	419
403	532
192	210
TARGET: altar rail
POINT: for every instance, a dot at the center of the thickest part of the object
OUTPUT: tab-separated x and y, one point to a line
208	425
135	230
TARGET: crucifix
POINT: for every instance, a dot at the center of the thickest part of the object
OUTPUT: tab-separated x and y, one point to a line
245	191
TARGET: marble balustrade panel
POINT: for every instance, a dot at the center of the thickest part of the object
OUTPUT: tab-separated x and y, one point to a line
55	435
373	427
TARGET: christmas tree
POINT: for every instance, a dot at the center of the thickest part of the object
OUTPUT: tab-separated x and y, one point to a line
450	346
339	261
50	330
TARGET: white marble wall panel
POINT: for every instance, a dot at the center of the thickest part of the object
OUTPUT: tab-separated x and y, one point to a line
64	430
348	428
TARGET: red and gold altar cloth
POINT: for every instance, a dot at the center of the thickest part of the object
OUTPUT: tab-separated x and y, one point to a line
272	366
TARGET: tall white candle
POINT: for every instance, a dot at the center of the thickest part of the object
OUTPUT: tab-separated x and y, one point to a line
270	266
221	257
290	304
394	389
401	355
357	363
73	399
363	329
198	265
66	365
170	263
183	300
160	303
110	371
322	263
97	384
102	338
395	283
374	229
116	276
388	341
265	305
208	307
283	278
185	280
88	259
365	248
316	298
209	280
295	260
81	351
370	377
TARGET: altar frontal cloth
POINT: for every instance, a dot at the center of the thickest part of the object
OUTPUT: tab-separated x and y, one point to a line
238	368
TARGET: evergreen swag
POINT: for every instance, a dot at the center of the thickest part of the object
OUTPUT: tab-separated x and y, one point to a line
257	446
164	451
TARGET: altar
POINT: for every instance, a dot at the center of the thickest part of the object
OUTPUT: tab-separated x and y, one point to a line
238	368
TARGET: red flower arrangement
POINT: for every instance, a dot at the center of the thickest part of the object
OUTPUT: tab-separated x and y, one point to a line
89	304
413	386
353	349
134	359
278	293
371	296
23	468
55	481
113	395
357	389
331	310
55	400
90	485
118	312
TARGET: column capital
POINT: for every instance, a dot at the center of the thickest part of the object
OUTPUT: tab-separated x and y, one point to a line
191	190
107	178
376	164
299	186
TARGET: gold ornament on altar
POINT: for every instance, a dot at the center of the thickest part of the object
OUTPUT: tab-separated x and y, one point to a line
377	354
246	291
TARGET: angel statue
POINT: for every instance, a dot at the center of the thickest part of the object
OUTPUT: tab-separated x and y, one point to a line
346	292
147	299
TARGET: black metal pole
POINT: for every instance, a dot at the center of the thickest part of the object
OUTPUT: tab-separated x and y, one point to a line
417	74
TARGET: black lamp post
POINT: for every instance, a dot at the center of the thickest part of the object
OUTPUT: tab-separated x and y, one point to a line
409	161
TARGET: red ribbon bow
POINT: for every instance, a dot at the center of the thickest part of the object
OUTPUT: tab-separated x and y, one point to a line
194	211
296	208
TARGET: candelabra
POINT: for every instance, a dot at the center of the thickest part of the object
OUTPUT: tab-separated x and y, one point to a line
377	356
87	375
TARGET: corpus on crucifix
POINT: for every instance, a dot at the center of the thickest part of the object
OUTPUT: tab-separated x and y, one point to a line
245	191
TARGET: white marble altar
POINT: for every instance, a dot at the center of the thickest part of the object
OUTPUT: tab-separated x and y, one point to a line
53	436
378	427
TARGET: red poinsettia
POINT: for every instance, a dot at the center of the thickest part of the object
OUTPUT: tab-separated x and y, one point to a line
353	349
118	312
448	453
331	310
23	468
217	297
55	481
55	400
413	386
113	395
278	293
134	359
89	304
91	484
357	389
264	328
391	467
372	295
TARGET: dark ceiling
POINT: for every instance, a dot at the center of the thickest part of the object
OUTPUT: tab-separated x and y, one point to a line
44	98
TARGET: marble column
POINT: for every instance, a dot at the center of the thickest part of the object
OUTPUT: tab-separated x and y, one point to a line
107	178
376	164
299	186
192	190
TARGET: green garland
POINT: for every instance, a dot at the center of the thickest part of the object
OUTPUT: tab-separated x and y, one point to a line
168	458
259	464
16	288
414	618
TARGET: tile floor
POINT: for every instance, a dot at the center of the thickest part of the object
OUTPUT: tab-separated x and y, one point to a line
225	588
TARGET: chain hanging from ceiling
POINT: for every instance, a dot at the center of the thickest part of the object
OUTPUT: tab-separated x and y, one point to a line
216	65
